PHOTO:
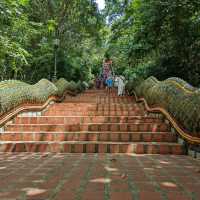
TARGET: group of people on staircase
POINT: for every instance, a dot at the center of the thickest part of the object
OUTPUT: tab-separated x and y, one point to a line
107	79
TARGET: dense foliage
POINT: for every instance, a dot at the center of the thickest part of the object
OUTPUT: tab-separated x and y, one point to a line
159	38
29	29
142	37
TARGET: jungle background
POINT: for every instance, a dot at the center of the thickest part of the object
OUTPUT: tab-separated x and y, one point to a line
142	37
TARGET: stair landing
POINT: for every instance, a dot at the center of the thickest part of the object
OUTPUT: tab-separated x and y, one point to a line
37	176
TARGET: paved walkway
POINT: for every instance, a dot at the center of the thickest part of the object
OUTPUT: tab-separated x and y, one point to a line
98	177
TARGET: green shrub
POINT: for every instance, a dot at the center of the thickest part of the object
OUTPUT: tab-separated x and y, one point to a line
85	85
79	86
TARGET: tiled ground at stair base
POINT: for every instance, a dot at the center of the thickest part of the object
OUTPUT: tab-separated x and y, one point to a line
98	177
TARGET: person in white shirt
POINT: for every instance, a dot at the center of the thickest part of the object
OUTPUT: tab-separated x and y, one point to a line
121	85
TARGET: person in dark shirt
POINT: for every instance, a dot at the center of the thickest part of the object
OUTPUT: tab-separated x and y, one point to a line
98	82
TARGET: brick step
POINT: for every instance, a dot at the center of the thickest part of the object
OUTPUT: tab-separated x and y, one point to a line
92	106
98	103
94	100
90	136
150	127
92	147
84	119
94	109
98	96
105	94
99	92
115	97
101	106
122	107
93	113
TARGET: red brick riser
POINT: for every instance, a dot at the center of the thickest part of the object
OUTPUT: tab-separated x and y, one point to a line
91	122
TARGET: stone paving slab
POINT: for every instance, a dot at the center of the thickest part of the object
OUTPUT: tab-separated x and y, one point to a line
37	176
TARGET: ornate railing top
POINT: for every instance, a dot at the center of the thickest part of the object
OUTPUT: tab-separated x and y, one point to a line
14	93
178	98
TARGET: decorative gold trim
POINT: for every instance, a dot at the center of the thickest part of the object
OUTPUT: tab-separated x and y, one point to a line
180	86
183	133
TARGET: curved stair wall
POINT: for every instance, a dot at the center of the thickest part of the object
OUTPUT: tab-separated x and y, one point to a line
17	96
176	99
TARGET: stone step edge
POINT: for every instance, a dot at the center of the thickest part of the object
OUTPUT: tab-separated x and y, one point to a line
90	132
93	147
99	103
46	114
107	123
90	142
84	116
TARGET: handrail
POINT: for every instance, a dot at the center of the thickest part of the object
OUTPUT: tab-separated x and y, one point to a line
183	133
24	107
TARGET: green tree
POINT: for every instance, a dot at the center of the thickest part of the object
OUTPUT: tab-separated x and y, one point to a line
160	35
28	29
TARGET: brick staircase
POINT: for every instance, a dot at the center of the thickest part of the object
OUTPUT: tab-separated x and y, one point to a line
91	123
